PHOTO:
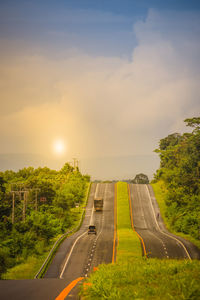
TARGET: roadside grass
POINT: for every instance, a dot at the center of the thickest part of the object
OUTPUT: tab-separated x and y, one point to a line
136	277
145	279
28	268
160	194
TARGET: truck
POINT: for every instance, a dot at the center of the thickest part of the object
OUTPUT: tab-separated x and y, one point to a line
98	204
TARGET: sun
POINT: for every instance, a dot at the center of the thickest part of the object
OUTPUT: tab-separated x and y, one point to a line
59	147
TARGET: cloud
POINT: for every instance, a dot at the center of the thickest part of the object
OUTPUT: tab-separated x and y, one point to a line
105	105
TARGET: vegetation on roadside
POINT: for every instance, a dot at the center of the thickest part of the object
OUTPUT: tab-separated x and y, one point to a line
178	180
136	277
145	279
47	203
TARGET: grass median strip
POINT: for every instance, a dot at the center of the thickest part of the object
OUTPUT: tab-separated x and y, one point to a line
128	242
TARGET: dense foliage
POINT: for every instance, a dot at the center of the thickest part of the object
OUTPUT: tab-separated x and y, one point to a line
43	201
180	171
141	179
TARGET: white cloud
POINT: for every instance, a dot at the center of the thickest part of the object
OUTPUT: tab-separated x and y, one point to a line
106	106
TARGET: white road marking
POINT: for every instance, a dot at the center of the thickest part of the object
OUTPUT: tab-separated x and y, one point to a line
159	240
102	220
141	207
71	253
172	237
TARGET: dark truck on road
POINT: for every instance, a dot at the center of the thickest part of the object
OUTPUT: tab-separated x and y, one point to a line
98	204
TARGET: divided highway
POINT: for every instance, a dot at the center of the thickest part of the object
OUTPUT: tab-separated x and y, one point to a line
80	253
148	223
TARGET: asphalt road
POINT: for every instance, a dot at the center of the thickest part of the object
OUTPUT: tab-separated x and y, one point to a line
150	226
76	257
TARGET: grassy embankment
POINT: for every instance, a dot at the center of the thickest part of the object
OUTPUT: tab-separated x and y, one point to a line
30	267
135	277
160	194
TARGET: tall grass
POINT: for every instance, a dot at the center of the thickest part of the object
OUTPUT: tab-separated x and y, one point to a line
27	269
145	279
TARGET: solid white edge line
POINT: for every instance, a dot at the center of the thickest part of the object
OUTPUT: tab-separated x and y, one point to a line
63	270
188	255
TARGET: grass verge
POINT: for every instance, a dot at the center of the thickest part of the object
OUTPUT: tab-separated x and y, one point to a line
136	277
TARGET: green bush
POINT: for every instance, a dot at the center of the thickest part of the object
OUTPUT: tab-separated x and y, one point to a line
4	262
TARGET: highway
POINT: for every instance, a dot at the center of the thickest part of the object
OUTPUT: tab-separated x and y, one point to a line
76	257
147	221
80	253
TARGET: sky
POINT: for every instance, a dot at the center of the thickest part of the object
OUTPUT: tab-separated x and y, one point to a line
102	81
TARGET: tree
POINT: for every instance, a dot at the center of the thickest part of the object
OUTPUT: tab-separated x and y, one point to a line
193	122
180	171
141	178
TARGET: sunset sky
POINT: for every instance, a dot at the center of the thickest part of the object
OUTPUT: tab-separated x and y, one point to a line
95	79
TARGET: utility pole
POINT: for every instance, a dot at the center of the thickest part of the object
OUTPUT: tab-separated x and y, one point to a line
24	207
13	207
75	163
19	193
36	198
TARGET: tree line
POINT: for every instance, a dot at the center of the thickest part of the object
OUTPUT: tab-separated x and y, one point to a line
180	172
36	205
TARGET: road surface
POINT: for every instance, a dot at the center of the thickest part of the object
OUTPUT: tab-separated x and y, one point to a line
148	223
77	255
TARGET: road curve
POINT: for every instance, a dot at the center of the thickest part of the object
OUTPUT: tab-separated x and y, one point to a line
77	255
148	223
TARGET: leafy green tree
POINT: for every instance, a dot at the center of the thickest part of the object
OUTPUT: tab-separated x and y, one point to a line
180	170
193	122
61	189
141	178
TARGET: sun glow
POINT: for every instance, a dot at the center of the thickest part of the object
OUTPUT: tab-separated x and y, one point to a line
59	147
